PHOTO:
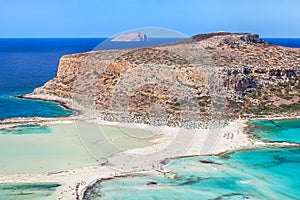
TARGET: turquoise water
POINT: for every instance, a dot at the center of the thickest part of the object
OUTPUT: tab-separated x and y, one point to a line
26	129
27	191
258	174
265	173
280	130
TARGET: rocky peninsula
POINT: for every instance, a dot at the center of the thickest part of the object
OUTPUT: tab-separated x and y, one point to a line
206	76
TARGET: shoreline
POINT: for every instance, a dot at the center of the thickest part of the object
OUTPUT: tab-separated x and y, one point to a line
84	193
68	104
277	118
76	181
47	98
71	178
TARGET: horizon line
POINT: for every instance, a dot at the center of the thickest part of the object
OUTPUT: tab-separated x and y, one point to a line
103	37
79	37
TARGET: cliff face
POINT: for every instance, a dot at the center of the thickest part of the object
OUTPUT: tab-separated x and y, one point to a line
209	75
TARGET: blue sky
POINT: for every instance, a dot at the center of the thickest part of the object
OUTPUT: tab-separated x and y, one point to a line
103	18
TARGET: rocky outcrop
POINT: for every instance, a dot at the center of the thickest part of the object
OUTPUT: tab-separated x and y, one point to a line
209	76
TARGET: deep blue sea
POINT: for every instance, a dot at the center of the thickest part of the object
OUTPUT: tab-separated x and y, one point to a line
288	42
28	63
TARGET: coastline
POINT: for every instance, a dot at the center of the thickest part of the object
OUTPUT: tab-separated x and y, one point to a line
293	116
48	98
79	111
75	182
233	137
89	174
173	142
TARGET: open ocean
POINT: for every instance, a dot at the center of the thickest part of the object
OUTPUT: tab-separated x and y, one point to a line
266	173
28	63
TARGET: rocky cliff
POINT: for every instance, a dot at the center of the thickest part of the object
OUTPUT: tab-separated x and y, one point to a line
212	75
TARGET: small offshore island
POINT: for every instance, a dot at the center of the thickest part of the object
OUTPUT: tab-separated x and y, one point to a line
165	106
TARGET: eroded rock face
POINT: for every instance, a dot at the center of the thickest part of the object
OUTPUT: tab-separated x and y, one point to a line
183	79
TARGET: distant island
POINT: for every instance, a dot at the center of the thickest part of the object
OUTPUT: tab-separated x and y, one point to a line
131	37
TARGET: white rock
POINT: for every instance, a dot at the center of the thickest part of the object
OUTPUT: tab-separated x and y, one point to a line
131	37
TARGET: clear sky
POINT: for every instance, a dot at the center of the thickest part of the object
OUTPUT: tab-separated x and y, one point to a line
103	18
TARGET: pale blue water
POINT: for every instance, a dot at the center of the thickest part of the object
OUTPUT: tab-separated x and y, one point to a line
27	191
26	129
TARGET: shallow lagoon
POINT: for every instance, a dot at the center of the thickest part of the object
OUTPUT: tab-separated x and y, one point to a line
27	191
35	149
